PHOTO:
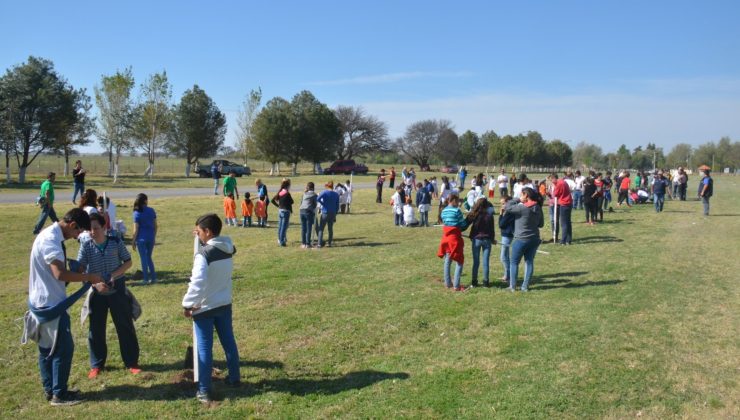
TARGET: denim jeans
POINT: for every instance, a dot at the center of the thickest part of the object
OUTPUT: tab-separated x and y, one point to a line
215	185
307	218
658	200
554	227
526	248
247	221
146	249
379	197
221	320
79	188
397	219
705	204
327	220
458	272
283	223
578	199
120	310
566	228
46	211
505	252
424	216
55	368
503	192
479	245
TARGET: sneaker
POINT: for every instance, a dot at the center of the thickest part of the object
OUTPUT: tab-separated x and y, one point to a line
203	397
486	284
135	369
511	289
69	398
460	289
48	395
94	372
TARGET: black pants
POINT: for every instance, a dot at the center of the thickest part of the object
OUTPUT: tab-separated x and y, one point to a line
623	197
120	311
600	208
682	191
392	181
379	188
590	208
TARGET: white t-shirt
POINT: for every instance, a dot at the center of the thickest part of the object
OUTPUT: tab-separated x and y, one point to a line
90	210
503	181
571	183
409	217
112	215
43	288
579	182
492	183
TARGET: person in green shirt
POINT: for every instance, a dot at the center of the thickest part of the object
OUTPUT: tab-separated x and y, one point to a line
230	185
47	206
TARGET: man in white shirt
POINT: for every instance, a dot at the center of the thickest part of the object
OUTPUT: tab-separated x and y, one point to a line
578	190
571	184
48	301
503	183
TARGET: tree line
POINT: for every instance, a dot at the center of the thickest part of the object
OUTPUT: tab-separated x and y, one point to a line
41	112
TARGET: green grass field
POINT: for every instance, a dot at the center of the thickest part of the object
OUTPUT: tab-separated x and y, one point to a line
639	318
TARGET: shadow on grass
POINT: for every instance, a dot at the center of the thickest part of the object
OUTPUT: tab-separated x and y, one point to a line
178	366
722	215
163	277
567	284
368	244
678	211
596	239
568	274
183	387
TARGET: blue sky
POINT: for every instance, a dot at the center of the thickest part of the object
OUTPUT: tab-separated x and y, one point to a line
605	72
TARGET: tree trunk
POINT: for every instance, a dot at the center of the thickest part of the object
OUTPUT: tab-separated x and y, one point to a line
7	167
110	161
187	170
294	172
66	163
22	175
115	166
149	170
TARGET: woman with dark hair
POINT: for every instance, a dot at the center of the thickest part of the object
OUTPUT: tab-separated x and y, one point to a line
89	201
528	220
482	235
145	235
284	202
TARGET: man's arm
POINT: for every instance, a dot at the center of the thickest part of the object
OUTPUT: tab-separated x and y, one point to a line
62	274
198	278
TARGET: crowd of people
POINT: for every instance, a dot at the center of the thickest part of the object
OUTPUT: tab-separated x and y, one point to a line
103	259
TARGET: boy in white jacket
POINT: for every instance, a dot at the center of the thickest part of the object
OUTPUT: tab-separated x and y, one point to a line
208	301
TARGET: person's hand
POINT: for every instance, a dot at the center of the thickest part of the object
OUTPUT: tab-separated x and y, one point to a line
101	287
188	312
95	279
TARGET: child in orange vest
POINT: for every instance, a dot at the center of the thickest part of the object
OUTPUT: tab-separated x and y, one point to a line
230	209
260	210
247	209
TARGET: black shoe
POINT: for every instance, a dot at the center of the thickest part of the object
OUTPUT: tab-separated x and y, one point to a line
203	397
67	399
48	395
235	384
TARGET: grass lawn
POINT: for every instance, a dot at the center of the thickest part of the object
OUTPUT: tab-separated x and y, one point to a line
640	317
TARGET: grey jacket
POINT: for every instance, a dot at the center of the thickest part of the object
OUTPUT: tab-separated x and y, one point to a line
527	220
308	203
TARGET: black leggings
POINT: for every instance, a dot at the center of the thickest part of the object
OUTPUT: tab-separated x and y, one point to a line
623	197
590	207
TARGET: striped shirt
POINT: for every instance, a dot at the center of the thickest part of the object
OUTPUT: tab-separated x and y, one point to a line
453	216
103	259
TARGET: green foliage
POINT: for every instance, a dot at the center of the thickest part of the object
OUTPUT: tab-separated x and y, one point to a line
245	123
558	153
113	98
679	155
198	127
317	130
274	129
588	155
471	149
153	116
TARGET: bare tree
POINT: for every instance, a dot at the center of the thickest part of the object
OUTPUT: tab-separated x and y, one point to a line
361	133
245	122
422	138
113	98
152	117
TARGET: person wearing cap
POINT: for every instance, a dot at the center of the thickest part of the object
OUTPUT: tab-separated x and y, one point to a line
46	202
707	190
658	188
329	201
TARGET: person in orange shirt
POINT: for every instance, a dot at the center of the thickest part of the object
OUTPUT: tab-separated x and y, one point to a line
260	210
230	209
543	188
247	210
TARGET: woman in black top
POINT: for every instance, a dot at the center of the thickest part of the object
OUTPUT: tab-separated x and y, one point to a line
284	202
483	236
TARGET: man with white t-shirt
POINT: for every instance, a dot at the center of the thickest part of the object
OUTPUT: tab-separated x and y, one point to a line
48	303
578	190
503	184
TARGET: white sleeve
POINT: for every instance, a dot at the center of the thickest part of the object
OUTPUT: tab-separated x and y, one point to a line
196	287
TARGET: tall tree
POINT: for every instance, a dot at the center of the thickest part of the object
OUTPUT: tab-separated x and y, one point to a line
33	97
422	138
74	123
488	138
679	155
274	124
361	133
588	155
245	123
152	117
113	98
470	147
318	131
198	127
558	153
624	157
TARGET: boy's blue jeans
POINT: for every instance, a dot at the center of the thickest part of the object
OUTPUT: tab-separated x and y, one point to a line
458	272
658	200
145	249
247	221
283	223
578	199
55	368
307	218
522	248
327	220
505	248
79	188
566	228
221	321
479	245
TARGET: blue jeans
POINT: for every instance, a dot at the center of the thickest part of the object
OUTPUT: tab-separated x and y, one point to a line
79	188
458	272
566	228
658	200
146	248
283	223
424	216
327	220
397	219
221	320
705	204
505	250
307	218
46	211
247	221
215	185
578	199
55	368
526	248
478	246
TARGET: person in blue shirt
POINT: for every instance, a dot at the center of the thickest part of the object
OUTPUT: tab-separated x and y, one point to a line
707	190
660	183
145	234
329	201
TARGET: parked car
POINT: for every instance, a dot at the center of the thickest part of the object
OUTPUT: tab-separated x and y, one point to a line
346	166
204	171
449	169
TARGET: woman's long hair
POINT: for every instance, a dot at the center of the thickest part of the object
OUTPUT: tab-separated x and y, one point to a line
140	202
533	195
89	198
480	206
